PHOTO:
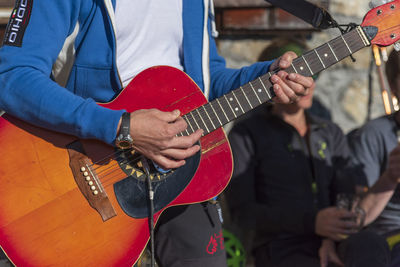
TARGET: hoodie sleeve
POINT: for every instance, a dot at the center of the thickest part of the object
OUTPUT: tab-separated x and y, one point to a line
27	90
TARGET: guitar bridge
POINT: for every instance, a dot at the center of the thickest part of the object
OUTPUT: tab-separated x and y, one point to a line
87	181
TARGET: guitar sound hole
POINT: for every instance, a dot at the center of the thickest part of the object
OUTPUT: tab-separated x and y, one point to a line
130	162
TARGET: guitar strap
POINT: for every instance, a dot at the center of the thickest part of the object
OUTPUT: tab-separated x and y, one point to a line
317	16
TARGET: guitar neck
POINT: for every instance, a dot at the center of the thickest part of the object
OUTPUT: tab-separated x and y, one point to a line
230	106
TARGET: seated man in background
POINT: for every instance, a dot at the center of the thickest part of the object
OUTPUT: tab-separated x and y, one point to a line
376	150
289	168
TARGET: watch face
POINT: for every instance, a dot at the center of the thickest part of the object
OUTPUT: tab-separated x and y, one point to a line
123	144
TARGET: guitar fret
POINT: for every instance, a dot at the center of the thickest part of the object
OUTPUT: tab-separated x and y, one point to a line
266	90
216	114
241	102
303	70
195	121
305	61
340	47
327	55
323	65
355	40
241	88
188	122
227	119
346	44
205	125
315	63
333	53
258	91
294	68
255	92
230	106
185	132
213	115
362	36
209	117
257	87
236	109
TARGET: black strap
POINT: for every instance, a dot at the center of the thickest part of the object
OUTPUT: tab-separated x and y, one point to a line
317	16
125	124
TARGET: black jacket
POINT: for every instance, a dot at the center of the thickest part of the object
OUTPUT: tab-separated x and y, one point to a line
278	183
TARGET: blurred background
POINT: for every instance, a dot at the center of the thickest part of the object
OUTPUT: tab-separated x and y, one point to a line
246	27
349	93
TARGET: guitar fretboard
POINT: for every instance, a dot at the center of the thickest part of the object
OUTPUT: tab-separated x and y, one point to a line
230	106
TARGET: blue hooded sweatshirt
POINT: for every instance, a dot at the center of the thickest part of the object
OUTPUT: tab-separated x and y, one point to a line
76	39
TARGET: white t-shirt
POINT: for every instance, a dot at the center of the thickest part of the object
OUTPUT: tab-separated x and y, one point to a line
149	33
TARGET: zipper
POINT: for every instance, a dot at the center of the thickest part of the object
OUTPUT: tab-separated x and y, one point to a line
206	52
110	12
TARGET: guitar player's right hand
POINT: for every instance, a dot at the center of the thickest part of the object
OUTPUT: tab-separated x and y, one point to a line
154	136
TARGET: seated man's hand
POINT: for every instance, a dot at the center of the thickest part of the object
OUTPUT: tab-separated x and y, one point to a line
327	253
335	223
288	87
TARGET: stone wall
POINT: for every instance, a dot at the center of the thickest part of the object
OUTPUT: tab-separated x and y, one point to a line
343	88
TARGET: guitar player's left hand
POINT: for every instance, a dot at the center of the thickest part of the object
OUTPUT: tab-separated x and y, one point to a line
288	86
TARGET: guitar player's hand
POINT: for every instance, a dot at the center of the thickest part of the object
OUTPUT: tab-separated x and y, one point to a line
154	135
288	87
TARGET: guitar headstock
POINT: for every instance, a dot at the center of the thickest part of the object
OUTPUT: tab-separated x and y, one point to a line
384	23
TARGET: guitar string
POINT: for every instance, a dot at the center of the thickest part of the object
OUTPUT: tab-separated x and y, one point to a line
112	157
108	171
105	173
246	89
110	179
108	158
225	105
312	62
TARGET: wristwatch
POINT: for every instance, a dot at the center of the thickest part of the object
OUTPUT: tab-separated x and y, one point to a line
124	139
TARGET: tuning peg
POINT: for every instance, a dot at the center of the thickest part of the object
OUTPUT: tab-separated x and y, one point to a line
396	46
384	54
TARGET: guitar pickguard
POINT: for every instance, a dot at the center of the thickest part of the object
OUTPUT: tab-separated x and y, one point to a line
132	193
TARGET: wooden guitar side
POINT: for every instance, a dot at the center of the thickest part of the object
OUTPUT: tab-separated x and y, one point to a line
44	218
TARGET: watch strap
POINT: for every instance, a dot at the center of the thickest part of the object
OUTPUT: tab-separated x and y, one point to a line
125	124
124	139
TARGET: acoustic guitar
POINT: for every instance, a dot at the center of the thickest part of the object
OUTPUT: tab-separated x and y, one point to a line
71	202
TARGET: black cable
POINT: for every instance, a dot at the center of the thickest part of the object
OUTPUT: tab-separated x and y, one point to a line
151	209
